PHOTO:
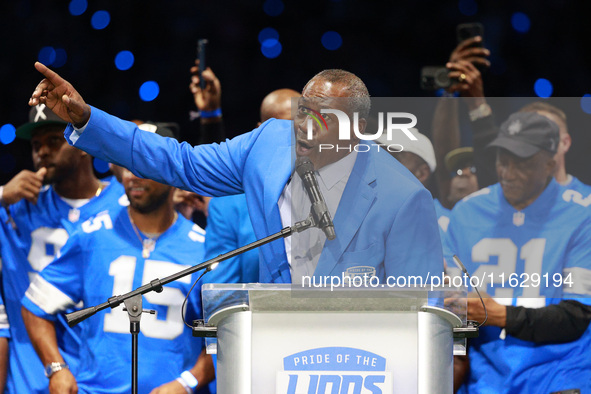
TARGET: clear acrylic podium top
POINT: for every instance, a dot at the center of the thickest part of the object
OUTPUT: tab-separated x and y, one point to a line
257	297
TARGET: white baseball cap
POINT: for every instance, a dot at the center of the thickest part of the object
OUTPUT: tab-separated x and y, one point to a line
422	147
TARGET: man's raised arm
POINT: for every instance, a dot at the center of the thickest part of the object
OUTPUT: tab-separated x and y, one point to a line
211	170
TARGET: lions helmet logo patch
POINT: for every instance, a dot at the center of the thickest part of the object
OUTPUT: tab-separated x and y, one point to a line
515	127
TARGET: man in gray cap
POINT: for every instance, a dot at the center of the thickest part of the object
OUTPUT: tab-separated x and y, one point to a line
511	236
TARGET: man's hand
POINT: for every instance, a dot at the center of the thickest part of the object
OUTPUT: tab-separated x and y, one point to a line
469	84
61	97
468	52
173	387
188	202
463	64
26	184
470	79
210	98
63	382
497	313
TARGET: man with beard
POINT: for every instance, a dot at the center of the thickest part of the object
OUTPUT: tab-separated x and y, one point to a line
42	209
116	251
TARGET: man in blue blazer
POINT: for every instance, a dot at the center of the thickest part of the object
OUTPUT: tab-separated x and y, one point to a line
384	218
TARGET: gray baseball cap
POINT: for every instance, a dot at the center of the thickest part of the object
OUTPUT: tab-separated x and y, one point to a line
526	133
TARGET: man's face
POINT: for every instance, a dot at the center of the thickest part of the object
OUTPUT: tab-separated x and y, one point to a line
523	180
144	195
414	164
50	150
319	94
463	183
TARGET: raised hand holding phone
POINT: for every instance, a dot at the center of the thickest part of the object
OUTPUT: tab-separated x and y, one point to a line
201	55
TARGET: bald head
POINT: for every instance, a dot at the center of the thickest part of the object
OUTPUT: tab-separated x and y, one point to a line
277	104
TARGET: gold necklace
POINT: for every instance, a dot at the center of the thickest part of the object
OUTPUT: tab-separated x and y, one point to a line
149	243
100	189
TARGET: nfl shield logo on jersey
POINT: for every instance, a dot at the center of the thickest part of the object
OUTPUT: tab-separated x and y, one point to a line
518	218
74	215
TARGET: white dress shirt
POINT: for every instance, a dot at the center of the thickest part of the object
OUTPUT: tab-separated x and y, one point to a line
304	249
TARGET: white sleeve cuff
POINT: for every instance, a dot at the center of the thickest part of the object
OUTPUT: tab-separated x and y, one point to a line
77	131
81	129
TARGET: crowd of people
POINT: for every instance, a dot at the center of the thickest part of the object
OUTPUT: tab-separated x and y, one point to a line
506	206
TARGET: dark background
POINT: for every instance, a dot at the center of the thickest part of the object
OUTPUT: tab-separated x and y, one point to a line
384	42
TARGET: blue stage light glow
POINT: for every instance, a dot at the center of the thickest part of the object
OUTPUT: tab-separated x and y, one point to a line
100	20
47	55
61	57
332	40
124	60
543	88
271	48
7	133
586	103
267	33
520	22
149	90
100	166
77	7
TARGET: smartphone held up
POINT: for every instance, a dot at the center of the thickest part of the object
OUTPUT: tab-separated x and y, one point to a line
201	55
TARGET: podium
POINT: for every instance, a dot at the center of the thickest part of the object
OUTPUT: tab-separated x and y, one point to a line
278	339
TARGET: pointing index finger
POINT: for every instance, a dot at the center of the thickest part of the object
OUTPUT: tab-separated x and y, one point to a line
54	78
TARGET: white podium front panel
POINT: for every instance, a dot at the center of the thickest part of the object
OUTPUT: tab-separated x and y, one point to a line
303	353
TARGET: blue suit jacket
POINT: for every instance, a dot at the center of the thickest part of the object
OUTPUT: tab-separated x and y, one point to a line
228	228
385	223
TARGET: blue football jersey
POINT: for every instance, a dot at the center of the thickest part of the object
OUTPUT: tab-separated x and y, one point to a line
530	258
32	236
4	324
105	259
577	192
442	217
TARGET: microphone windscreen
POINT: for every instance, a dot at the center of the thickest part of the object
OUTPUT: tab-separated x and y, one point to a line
303	165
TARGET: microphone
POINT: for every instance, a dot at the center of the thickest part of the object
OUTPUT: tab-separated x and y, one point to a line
320	213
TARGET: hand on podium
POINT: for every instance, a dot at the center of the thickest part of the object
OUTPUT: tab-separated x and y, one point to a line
497	313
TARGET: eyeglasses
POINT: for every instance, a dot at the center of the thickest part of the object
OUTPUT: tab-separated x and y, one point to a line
463	171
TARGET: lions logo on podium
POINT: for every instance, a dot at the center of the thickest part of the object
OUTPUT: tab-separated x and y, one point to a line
334	370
